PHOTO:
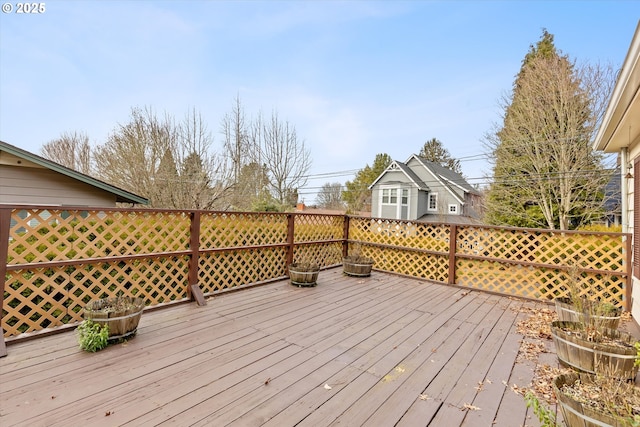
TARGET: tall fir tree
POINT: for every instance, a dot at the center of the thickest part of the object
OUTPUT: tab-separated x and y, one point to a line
434	151
546	175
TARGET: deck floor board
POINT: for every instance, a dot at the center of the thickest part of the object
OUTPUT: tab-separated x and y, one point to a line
380	351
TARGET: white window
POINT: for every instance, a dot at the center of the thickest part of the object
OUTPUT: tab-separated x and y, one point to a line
389	196
433	202
453	209
394	199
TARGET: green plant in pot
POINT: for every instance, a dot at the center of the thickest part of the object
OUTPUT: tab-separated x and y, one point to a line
121	314
92	336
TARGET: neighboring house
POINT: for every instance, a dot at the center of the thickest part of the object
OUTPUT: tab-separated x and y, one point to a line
28	179
612	200
620	133
425	191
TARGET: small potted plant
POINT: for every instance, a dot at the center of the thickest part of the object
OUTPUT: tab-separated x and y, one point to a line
121	314
595	400
304	273
595	350
357	264
92	336
582	306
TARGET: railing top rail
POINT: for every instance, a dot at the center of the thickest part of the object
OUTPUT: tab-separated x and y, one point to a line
495	227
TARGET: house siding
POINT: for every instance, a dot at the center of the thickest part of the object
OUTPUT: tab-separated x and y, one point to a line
444	196
39	186
634	156
392	179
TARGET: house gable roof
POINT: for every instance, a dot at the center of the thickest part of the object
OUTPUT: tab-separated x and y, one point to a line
447	178
122	196
406	170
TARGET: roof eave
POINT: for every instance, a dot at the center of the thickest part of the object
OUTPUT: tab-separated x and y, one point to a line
122	196
624	104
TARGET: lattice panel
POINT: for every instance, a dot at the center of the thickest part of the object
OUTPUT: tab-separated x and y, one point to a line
312	228
530	282
434	237
230	229
324	255
364	250
411	263
38	235
34	300
558	283
43	298
229	269
594	251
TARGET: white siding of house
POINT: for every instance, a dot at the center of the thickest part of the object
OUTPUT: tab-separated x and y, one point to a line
393	179
444	193
634	152
24	184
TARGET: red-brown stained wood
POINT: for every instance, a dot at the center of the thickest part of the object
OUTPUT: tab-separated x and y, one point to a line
383	350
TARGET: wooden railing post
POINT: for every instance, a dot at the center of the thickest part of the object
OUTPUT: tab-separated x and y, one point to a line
453	233
290	239
195	293
345	236
5	224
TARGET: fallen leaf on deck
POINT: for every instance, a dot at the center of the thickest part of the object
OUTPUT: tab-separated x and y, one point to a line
469	407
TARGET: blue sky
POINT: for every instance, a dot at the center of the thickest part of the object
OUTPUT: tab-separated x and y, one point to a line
356	78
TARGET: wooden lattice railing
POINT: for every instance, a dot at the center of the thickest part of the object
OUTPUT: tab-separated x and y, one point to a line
59	259
528	263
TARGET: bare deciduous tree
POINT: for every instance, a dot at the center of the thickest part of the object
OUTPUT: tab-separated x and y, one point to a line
235	131
71	150
173	165
284	156
204	178
330	196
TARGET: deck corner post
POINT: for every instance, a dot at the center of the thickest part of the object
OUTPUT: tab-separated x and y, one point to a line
5	224
453	232
345	236
193	289
290	239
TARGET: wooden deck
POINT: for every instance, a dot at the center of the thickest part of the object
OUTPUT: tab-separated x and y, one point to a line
378	351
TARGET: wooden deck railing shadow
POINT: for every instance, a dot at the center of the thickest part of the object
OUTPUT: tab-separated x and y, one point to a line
60	258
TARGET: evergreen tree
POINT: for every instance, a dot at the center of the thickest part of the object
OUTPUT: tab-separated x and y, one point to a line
434	151
357	196
545	172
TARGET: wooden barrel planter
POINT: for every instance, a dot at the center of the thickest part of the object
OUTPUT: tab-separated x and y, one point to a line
358	266
121	314
567	313
613	359
303	274
582	414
